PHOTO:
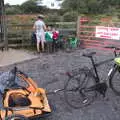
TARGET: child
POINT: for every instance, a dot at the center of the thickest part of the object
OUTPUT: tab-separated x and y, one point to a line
55	34
55	38
48	34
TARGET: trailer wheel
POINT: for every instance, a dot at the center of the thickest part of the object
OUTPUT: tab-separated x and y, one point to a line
16	117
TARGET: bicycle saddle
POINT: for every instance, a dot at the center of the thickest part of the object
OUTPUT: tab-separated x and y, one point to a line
89	54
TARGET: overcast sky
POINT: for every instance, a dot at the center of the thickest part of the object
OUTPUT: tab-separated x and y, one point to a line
45	2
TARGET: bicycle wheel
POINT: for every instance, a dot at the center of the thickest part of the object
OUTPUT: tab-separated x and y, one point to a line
76	93
115	81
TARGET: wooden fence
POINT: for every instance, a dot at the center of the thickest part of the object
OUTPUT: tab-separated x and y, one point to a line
20	35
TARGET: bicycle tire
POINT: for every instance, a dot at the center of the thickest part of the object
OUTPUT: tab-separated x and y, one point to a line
114	81
81	81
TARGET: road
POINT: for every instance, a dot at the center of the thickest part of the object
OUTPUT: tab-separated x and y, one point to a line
47	72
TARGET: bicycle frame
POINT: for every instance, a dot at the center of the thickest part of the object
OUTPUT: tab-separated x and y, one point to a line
95	65
101	87
97	79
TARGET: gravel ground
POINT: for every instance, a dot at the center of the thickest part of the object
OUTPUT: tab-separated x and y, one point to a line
46	71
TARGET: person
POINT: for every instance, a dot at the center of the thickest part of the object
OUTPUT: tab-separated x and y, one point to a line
55	38
55	34
48	33
33	38
48	38
40	27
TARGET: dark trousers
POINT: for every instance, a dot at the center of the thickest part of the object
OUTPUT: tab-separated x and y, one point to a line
57	45
54	45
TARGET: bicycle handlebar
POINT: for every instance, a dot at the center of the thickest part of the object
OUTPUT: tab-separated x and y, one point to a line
112	47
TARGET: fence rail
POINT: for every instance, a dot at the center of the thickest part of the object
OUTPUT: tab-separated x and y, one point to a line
20	34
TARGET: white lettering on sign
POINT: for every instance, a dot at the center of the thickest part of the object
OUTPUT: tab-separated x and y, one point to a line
108	32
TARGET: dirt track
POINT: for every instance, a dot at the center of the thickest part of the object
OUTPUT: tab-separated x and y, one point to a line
46	71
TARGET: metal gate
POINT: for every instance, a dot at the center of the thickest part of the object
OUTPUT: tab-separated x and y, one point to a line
87	33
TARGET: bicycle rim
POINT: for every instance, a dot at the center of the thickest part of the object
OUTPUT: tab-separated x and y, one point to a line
75	92
115	82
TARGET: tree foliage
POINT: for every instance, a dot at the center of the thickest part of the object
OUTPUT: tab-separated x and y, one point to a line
12	9
91	6
70	9
28	7
31	6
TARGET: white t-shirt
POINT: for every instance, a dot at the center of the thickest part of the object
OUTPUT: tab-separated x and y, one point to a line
39	25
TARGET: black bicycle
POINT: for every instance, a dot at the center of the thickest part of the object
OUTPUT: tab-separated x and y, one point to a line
83	85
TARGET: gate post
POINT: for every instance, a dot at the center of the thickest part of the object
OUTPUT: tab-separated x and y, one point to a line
5	29
78	27
3	25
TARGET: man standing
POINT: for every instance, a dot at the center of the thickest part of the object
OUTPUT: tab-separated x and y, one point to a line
40	27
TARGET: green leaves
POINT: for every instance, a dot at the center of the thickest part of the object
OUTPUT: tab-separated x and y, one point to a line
91	6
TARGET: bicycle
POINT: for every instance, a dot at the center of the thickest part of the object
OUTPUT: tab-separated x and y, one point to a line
83	86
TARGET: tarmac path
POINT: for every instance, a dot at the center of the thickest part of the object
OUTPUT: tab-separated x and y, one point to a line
46	71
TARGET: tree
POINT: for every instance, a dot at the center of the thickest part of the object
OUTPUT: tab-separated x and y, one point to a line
33	6
29	6
12	9
74	5
91	6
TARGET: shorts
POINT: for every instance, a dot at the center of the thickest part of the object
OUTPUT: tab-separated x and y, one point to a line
40	37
